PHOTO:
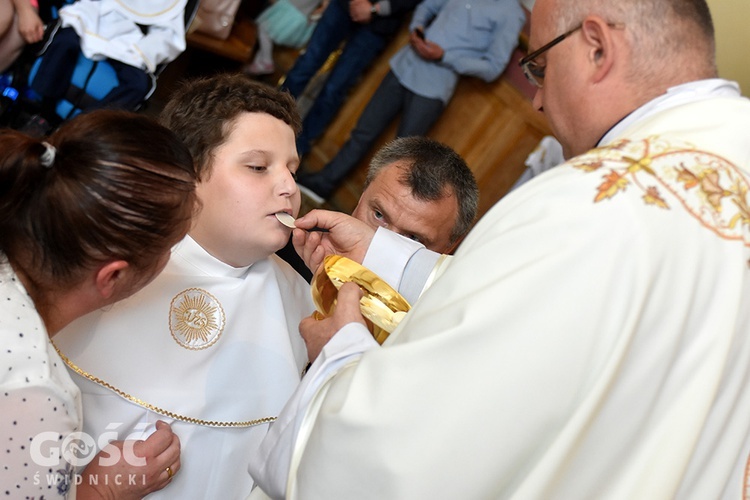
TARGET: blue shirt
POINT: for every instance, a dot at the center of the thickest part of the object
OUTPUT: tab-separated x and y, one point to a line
477	36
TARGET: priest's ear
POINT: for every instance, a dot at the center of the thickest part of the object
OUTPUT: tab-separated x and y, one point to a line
111	278
602	44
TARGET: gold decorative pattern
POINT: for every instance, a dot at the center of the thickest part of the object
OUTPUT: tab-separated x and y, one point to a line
196	319
711	189
156	409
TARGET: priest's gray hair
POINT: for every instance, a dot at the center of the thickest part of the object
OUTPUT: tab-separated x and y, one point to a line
671	39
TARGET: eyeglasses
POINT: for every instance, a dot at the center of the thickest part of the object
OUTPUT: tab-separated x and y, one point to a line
535	72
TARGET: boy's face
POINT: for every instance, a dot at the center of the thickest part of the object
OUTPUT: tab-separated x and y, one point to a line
250	180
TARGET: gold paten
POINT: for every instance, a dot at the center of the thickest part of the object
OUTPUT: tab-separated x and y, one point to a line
383	306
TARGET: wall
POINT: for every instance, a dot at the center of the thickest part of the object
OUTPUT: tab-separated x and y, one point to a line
732	40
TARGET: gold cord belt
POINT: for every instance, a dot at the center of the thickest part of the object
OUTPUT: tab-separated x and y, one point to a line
156	409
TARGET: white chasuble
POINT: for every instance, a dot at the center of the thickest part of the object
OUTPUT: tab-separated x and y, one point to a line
213	350
590	339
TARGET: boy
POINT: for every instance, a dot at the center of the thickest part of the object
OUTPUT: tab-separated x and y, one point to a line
212	344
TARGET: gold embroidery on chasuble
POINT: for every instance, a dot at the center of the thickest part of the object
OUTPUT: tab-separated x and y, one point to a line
196	319
709	187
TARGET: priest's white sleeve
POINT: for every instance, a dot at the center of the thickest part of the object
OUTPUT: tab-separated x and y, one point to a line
404	264
270	464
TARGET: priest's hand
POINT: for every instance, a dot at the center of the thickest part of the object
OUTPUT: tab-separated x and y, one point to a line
132	469
317	332
345	236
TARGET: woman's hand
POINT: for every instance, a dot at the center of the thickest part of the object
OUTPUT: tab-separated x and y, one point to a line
141	467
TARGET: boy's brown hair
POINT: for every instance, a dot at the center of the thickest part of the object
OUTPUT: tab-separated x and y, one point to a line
203	111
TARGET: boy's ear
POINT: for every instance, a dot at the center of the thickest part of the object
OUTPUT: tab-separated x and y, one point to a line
109	276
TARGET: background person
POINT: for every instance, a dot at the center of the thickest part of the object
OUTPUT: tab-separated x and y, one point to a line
288	23
448	38
365	28
589	339
420	189
217	347
134	37
86	219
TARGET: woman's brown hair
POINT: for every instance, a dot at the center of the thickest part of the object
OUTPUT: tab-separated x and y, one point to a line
107	185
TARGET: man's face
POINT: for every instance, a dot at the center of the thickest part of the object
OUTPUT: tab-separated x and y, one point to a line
388	203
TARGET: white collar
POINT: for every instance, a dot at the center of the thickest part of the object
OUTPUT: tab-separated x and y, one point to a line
674	96
189	250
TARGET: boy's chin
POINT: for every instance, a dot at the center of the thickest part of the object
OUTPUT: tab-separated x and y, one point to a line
281	243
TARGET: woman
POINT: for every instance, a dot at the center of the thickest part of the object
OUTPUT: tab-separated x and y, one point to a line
86	218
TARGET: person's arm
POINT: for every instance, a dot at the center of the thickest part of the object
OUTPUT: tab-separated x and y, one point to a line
488	63
333	343
36	423
403	263
490	354
30	25
424	13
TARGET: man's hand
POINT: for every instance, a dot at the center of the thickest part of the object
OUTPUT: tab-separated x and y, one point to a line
133	477
359	11
424	48
346	236
317	332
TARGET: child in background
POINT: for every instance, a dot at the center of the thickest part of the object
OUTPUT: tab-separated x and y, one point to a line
134	36
288	23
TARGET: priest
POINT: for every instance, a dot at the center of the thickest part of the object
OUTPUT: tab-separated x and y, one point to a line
589	338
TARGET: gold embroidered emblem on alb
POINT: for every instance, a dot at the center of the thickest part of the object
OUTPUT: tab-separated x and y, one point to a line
196	319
